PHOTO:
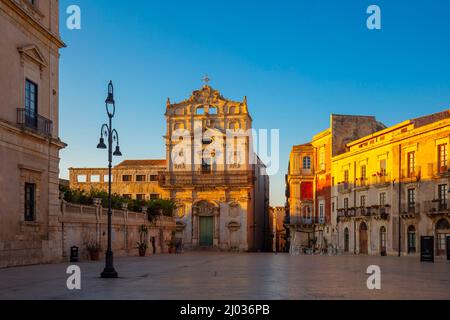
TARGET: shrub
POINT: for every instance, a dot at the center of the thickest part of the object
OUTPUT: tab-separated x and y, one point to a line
155	207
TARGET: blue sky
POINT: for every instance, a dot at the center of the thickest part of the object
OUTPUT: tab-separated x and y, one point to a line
296	61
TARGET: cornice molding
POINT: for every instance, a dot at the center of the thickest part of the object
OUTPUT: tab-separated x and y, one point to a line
19	8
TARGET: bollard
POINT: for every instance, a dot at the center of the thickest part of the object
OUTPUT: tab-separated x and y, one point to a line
74	254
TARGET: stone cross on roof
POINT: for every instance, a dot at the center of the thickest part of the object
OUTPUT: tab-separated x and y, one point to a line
206	79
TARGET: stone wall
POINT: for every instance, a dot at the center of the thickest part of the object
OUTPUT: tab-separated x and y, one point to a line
83	224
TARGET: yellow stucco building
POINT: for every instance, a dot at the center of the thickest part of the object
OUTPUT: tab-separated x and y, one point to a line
390	188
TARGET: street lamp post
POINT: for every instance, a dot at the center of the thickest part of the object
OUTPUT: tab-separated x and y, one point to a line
113	136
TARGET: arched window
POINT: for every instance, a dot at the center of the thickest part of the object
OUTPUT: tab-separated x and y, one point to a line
212	110
442	232
307	162
383	241
411	239
179	125
234	125
363	239
200	110
307	212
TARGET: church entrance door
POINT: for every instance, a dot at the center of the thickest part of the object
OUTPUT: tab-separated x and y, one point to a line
206	231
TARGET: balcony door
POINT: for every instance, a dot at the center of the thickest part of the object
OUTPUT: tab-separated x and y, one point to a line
383	241
31	105
346	240
363	239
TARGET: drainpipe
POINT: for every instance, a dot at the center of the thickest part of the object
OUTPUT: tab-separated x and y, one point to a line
254	207
354	206
399	198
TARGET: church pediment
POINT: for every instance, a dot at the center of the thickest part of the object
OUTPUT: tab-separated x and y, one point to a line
205	96
33	53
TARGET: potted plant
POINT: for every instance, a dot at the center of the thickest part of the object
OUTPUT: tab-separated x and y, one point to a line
170	245
94	249
142	247
142	244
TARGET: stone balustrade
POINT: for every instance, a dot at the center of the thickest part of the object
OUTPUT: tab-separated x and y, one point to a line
82	224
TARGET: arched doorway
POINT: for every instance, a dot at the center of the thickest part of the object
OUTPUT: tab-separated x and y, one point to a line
411	239
383	241
346	240
442	232
363	243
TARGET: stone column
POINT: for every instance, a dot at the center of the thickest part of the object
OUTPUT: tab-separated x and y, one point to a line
216	214
194	227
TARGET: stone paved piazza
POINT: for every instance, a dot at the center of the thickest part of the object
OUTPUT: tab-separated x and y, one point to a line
206	275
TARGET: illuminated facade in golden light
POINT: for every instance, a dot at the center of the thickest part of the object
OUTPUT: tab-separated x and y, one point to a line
391	188
222	195
133	179
309	181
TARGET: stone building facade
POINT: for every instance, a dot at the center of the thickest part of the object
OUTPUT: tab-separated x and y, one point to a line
82	225
278	215
391	188
133	179
30	231
222	195
309	180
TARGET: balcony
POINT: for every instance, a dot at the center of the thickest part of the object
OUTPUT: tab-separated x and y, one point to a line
363	211
410	210
411	176
362	184
344	187
30	120
381	180
345	214
381	212
301	221
438	171
213	179
306	221
436	208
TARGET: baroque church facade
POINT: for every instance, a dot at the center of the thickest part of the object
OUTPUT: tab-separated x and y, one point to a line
219	185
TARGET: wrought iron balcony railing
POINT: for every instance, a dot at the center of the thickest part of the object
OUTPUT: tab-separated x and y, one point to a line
411	209
381	180
436	207
28	119
346	212
438	169
411	175
300	220
381	212
344	187
362	183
